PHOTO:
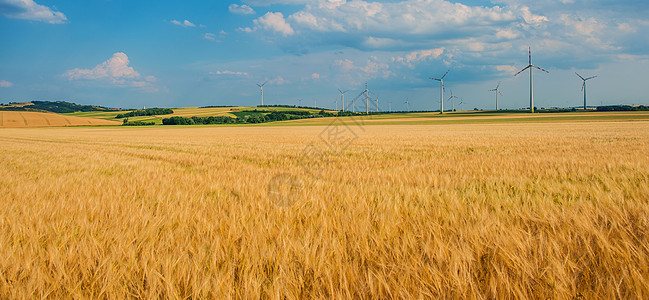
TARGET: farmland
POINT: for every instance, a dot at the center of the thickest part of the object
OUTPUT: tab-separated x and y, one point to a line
12	119
185	112
543	208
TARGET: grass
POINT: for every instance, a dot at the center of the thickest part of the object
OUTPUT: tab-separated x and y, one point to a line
185	112
526	210
415	118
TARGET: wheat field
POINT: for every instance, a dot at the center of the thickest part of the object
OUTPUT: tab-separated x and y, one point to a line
465	211
18	119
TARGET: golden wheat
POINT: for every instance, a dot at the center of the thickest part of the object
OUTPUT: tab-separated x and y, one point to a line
450	211
17	119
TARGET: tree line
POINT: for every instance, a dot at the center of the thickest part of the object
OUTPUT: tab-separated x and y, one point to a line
146	112
250	117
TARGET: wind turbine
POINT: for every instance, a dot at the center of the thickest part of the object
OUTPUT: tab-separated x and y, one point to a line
390	105
300	101
461	104
441	91
367	93
497	92
261	86
452	98
583	86
407	105
531	67
377	103
342	96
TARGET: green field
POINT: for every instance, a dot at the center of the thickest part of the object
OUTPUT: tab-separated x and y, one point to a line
419	118
183	112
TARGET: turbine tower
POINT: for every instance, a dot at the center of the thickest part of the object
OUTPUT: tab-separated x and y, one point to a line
261	86
342	97
390	105
367	100
407	105
497	92
583	86
452	98
367	93
441	91
531	67
377	103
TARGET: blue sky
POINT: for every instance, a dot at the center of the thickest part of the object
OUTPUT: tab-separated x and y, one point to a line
195	53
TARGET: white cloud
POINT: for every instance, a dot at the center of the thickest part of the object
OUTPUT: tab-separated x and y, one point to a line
531	18
404	17
585	27
626	27
185	23
418	56
279	80
274	21
507	69
30	10
228	72
424	54
315	76
507	34
115	70
373	68
241	9
210	36
4	84
246	29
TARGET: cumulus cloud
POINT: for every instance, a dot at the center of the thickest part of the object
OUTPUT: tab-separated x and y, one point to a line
420	55
373	68
241	9
209	36
507	69
531	18
5	84
228	72
115	70
185	23
30	10
405	17
274	21
279	80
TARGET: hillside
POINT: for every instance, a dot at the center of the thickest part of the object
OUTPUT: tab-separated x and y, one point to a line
17	119
233	112
52	106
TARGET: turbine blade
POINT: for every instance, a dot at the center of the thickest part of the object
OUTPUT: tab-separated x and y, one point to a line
493	90
522	70
445	74
582	78
498	84
583	85
501	93
589	78
435	79
546	71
